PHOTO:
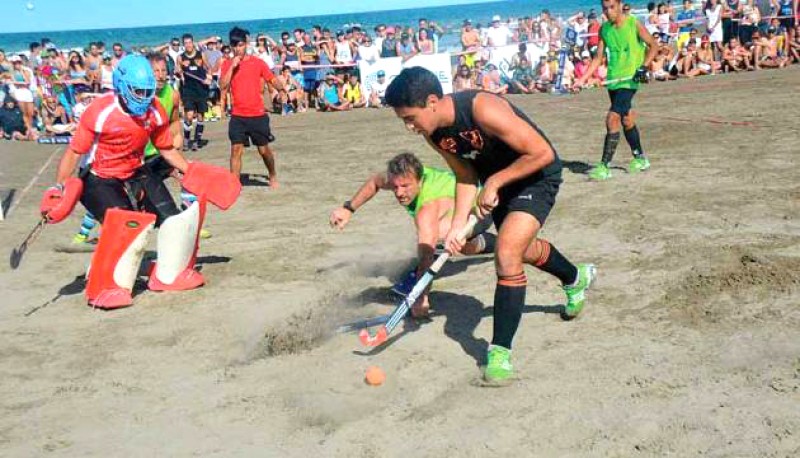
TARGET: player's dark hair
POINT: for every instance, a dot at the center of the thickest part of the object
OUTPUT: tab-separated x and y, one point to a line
404	164
237	35
412	87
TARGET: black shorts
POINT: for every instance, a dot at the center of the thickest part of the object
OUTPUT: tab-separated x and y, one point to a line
242	131
143	191
534	196
787	23
621	100
194	103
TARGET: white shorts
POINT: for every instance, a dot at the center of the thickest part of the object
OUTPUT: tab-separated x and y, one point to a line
22	94
704	66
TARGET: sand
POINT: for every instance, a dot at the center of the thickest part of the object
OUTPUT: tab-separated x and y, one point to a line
688	345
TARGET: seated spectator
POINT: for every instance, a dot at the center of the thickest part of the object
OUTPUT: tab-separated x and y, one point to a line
377	91
582	66
492	82
56	119
12	126
705	57
329	95
794	46
83	102
522	80
765	51
352	92
292	98
735	57
689	62
659	67
464	79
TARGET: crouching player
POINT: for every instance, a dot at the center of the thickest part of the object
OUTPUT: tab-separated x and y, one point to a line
428	194
487	140
129	199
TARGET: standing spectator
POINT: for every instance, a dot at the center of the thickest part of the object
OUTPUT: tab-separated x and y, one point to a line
713	12
77	76
377	91
498	34
686	20
470	43
730	19
786	20
578	23
20	83
594	32
213	56
175	49
93	61
194	92
424	44
106	75
389	46
246	76
651	20
309	56
433	31
35	49
368	51
118	53
751	17
664	21
344	49
406	48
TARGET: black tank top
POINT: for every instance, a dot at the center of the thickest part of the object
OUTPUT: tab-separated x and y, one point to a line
193	65
487	154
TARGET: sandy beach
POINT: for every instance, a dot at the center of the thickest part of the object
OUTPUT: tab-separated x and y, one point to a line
688	345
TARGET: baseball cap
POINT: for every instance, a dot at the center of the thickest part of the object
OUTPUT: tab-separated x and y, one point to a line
586	54
467	22
381	73
15	58
390	29
496	18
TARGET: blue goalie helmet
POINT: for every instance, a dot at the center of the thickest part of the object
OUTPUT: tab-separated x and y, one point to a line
135	83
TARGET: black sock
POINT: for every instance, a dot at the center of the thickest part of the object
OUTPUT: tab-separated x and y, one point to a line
553	262
509	298
632	137
198	131
187	132
610	146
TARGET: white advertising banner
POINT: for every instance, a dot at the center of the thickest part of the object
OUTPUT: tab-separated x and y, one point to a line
439	64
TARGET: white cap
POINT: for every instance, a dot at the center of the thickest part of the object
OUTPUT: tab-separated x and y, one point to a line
585	54
15	58
496	18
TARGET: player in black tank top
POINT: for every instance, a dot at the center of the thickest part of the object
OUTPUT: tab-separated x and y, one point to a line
194	92
486	140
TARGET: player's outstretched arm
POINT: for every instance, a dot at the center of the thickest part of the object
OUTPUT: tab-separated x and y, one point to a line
341	215
67	165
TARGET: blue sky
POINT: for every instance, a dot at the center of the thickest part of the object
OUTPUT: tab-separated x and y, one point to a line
45	15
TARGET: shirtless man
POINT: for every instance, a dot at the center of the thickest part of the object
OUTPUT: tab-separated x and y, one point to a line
765	51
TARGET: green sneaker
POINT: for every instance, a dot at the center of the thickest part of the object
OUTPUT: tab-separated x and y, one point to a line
639	164
576	294
80	238
600	172
499	370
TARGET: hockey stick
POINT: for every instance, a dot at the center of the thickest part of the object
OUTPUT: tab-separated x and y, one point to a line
17	253
397	315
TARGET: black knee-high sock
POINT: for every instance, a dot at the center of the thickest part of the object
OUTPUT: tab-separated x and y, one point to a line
610	146
187	131
198	131
632	137
553	262
509	298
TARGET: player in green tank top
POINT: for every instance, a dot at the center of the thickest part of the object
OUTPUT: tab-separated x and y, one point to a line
428	195
630	49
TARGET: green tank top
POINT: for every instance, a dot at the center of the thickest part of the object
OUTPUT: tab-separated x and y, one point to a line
625	52
165	98
436	184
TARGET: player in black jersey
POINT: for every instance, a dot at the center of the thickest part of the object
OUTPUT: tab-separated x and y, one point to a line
486	140
194	92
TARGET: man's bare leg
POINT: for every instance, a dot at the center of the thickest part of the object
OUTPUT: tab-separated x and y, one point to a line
237	150
268	156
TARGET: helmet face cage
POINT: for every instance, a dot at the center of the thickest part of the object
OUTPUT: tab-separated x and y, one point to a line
135	83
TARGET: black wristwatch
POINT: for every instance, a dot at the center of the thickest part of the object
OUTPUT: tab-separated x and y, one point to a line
348	206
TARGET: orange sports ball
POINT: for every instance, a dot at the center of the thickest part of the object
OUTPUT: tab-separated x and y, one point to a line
375	376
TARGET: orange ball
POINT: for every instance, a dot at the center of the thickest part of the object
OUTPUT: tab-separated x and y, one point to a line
374	376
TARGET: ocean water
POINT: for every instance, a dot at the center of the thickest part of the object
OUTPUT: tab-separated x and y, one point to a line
449	17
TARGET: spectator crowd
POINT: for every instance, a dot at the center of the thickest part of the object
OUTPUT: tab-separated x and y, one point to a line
44	90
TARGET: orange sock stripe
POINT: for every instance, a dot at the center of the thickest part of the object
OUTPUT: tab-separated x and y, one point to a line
512	280
544	252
